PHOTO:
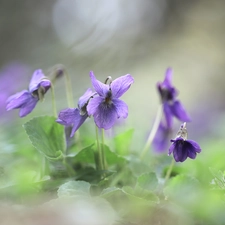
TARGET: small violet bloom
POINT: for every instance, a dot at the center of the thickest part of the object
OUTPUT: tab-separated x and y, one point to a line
183	148
171	106
76	117
106	107
26	100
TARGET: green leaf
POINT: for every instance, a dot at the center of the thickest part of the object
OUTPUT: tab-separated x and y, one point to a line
140	195
111	157
183	189
109	191
46	136
219	178
148	181
123	141
74	188
87	155
137	166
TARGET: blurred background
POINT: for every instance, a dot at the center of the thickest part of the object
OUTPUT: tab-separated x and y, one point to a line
113	38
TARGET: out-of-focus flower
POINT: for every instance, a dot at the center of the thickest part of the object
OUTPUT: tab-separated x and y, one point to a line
107	107
76	117
26	100
162	137
171	106
183	148
10	72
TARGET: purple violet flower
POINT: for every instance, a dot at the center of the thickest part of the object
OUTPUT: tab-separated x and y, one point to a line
76	117
26	100
171	106
107	107
183	148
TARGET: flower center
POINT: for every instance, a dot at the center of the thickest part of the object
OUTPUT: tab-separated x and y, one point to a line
166	94
108	98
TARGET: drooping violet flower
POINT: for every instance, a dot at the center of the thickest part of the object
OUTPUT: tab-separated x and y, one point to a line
183	148
26	100
161	140
106	108
171	106
76	117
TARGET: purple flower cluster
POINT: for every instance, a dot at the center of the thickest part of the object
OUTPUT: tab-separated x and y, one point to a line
181	147
103	104
26	100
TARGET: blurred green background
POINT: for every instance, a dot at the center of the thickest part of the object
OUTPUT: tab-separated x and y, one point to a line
114	38
142	38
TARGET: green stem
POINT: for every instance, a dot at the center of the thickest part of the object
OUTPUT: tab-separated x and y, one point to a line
152	133
169	170
98	163
69	92
53	101
104	163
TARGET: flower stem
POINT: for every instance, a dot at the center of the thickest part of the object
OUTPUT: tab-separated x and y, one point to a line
53	101
104	163
69	93
98	162
152	133
169	170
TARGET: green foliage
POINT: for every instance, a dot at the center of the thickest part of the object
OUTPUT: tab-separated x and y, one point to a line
47	137
74	188
123	141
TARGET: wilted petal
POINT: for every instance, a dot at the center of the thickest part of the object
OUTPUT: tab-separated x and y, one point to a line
85	97
121	108
99	87
105	116
178	110
120	85
35	80
168	114
66	116
195	146
93	105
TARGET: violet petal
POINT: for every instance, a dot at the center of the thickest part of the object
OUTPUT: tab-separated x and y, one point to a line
84	98
99	87
195	146
121	108
120	85
178	110
180	151
168	114
93	105
105	116
78	121
66	116
35	80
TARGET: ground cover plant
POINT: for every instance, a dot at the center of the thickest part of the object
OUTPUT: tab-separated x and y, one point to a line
91	177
